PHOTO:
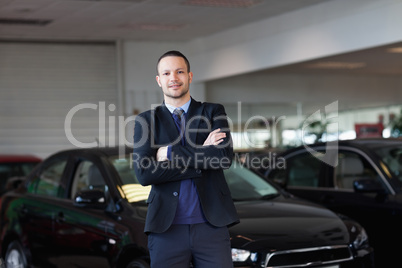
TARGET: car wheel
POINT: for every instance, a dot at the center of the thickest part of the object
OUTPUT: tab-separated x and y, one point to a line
15	256
138	263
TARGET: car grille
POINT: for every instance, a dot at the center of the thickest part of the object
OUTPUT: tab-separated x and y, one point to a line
308	257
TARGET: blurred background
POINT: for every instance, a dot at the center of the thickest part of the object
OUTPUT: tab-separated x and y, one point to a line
74	73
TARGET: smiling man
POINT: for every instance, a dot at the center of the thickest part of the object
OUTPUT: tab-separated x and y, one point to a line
188	144
174	78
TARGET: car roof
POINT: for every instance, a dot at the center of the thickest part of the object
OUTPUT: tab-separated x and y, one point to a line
375	142
367	145
370	143
10	158
100	151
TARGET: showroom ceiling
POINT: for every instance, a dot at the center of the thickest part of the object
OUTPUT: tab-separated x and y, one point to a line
145	20
172	20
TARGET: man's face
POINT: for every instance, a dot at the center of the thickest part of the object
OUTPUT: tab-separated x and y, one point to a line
173	78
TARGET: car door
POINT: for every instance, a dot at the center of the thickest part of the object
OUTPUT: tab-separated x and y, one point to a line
37	208
304	175
81	232
308	177
374	210
354	165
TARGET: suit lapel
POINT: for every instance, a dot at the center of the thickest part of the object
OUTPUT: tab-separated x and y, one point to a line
165	126
194	118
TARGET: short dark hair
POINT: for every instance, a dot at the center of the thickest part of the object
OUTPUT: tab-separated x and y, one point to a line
173	53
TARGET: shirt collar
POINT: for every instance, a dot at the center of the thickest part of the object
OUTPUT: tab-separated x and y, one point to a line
184	107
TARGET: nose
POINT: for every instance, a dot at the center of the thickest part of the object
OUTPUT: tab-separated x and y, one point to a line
173	76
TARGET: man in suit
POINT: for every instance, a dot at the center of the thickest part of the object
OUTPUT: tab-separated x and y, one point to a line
182	148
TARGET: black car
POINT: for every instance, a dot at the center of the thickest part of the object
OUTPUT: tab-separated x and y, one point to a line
85	208
359	178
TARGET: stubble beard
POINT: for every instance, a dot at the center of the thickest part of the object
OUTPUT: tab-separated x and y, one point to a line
183	93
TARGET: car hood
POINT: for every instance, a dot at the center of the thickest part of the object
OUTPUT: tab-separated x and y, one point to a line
286	224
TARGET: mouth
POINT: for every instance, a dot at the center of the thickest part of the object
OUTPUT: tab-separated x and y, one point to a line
174	86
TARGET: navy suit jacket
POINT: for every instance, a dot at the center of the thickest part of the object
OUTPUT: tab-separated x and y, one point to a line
204	164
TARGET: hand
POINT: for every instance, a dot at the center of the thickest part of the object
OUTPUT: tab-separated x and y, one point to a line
215	137
161	154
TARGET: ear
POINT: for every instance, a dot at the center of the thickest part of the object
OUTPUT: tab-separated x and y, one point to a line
158	80
190	77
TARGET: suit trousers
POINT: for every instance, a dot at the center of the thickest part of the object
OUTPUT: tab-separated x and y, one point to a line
202	244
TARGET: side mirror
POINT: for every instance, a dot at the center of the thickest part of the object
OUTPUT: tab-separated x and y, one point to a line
368	186
95	199
280	183
277	176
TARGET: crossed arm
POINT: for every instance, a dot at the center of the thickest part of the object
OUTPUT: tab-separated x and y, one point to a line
214	138
152	165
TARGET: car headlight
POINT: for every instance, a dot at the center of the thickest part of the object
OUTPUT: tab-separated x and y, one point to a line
240	255
360	240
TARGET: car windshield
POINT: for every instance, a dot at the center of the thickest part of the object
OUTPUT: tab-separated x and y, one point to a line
392	156
243	183
131	188
246	185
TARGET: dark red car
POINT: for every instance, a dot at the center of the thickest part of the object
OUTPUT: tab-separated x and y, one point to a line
12	166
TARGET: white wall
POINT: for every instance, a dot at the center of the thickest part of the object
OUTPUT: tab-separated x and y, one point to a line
352	92
325	29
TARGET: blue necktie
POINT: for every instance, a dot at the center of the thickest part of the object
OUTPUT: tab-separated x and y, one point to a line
178	116
188	209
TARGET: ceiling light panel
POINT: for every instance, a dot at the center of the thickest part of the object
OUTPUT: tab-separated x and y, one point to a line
130	1
336	65
395	50
154	27
30	22
222	3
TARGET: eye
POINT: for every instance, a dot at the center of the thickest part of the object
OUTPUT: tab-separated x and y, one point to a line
165	73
